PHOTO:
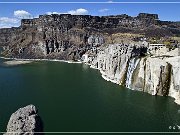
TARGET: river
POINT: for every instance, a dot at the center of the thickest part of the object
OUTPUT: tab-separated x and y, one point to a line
74	97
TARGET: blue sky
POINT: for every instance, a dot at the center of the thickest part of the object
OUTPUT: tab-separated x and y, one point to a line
10	14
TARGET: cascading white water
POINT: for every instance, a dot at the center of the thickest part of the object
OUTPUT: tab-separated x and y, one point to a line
132	66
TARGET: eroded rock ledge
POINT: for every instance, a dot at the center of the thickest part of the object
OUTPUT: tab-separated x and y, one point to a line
24	121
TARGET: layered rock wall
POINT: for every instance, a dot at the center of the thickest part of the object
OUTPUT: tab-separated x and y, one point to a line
155	75
68	36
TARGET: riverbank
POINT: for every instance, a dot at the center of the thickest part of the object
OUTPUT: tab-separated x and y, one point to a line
17	59
16	62
103	74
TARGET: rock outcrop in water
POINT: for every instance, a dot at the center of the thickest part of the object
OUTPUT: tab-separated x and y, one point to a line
24	120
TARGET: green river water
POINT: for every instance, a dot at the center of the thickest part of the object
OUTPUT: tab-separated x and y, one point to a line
74	97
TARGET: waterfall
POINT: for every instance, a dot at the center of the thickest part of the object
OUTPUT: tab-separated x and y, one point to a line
132	66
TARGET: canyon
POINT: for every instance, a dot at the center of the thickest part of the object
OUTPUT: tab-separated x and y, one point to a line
119	46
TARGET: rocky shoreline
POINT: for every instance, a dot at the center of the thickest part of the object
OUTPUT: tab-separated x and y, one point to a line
16	62
25	61
156	76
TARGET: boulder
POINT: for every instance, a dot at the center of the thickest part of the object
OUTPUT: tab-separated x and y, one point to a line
24	121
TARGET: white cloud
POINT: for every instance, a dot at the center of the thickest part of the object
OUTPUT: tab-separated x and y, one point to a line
6	22
49	13
8	25
103	10
22	14
36	16
80	11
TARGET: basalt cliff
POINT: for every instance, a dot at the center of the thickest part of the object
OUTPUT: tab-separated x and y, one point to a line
141	53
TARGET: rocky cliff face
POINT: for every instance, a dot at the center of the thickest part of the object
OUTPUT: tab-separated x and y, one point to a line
114	59
24	121
68	36
129	66
158	76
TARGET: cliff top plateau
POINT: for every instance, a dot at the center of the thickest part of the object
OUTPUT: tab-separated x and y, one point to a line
68	36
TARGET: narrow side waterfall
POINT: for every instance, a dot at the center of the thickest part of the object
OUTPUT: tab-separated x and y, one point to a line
132	66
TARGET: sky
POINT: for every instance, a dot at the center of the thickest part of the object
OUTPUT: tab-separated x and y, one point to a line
11	13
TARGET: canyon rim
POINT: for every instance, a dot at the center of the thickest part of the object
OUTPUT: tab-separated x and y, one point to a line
141	53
